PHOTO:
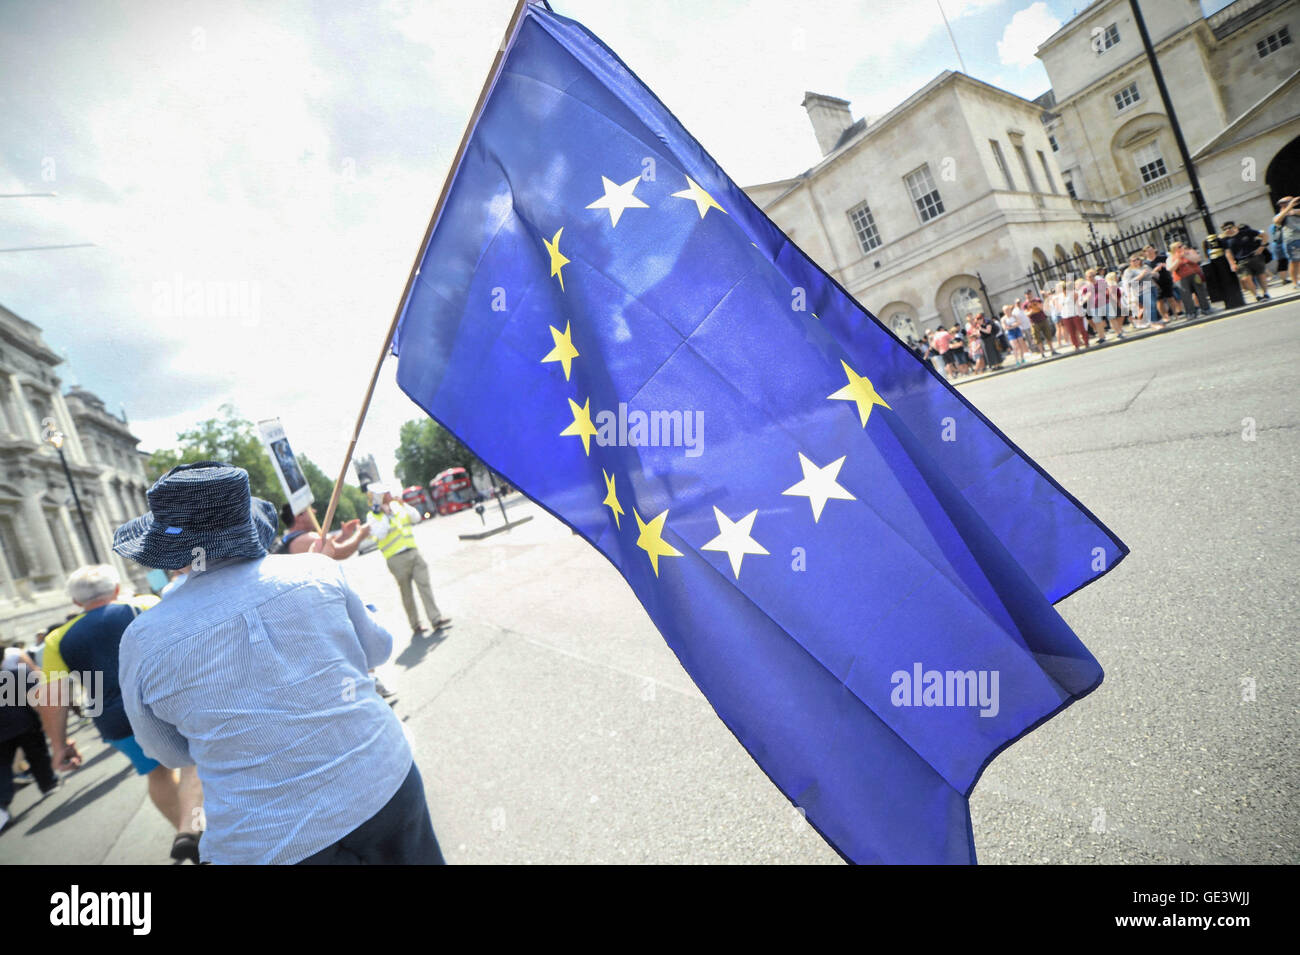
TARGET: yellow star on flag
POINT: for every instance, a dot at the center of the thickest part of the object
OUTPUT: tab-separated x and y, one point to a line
618	198
582	426
558	261
611	498
651	539
703	201
861	390
819	485
734	538
563	352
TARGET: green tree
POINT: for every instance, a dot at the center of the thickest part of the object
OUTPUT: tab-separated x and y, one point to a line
427	448
227	438
234	440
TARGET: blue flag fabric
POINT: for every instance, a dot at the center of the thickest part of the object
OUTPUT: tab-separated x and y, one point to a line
855	567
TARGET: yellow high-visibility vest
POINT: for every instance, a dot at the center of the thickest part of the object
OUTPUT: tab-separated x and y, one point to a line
400	535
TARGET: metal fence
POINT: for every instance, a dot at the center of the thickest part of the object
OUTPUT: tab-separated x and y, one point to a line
1110	253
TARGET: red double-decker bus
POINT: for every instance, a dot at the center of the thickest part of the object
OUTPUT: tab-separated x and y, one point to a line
452	491
419	499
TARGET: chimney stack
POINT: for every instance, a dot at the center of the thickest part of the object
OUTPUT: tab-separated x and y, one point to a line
830	116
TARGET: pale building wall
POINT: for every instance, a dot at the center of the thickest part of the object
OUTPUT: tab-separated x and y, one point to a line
986	230
41	537
1211	82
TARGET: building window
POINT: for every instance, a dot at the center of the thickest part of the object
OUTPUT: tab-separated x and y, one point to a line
1002	163
1069	187
864	224
965	302
1109	37
1029	172
903	326
920	184
1047	171
1051	140
1151	165
1126	97
1273	42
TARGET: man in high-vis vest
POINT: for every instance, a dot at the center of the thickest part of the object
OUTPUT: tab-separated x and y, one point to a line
390	522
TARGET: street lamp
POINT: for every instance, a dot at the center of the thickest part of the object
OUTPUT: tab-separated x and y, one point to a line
54	437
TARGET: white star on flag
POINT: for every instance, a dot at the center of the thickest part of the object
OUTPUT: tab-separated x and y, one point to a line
617	198
819	485
734	539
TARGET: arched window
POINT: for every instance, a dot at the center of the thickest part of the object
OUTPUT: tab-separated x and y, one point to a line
965	301
902	325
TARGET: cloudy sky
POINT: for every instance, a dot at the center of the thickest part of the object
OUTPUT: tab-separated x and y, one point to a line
248	183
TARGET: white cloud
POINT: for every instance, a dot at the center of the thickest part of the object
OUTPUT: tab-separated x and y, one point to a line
1025	31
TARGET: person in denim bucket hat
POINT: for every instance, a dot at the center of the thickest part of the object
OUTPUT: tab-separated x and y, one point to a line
203	510
256	672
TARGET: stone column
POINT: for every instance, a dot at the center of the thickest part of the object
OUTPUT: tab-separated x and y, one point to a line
7	587
69	429
47	562
78	548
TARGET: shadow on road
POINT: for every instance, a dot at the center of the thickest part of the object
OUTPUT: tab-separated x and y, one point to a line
419	648
85	798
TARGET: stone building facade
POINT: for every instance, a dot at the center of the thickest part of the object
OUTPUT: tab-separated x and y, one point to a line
938	208
1234	82
41	535
928	212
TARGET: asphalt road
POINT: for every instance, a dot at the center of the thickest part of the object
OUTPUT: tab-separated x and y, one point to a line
552	725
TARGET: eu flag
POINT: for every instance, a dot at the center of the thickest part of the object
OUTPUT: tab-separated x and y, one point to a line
855	567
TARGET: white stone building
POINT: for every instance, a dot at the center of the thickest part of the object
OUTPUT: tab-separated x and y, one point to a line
924	211
41	536
939	207
1234	82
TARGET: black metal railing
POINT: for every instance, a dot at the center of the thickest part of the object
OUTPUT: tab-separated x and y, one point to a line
1110	253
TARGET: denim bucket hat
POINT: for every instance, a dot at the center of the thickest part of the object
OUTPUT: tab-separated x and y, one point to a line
204	505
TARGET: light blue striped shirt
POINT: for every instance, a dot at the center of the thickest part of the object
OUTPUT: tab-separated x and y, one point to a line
255	672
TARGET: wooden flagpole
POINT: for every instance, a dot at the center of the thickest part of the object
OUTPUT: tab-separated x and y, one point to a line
520	6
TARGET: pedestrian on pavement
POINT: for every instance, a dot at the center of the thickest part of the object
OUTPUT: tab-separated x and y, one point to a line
942	343
1246	256
1072	305
1139	283
1011	319
300	535
1114	304
1288	220
1185	263
89	647
390	523
1039	324
255	673
20	728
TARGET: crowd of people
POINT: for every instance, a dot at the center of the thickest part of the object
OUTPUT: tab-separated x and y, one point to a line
245	693
1154	290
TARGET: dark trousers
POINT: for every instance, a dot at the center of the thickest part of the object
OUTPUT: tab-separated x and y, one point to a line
33	746
399	834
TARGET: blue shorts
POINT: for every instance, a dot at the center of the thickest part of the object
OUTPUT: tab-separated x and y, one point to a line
1292	249
142	763
1013	334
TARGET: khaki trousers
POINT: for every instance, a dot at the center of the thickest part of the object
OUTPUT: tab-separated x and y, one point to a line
409	567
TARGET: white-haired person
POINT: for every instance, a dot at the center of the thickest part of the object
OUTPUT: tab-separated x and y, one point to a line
88	647
255	672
